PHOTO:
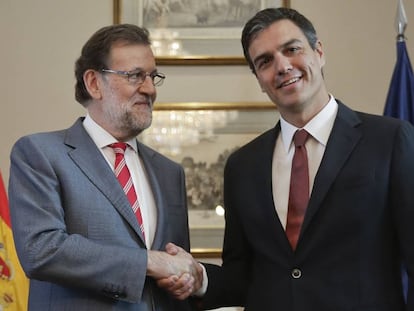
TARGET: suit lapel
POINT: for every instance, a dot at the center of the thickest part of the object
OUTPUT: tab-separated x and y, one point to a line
266	164
260	164
342	141
90	161
148	157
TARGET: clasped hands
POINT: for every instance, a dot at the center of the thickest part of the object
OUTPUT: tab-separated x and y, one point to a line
175	270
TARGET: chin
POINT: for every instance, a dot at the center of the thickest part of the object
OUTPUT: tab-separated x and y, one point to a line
142	126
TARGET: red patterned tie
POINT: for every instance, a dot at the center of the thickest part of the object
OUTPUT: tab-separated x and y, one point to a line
124	178
299	188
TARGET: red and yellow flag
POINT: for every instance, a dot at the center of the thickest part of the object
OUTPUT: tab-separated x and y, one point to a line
14	286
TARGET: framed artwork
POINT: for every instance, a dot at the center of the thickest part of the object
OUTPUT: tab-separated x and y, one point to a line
193	32
201	136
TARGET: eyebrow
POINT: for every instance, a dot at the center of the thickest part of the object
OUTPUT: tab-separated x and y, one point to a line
139	69
136	69
290	42
283	46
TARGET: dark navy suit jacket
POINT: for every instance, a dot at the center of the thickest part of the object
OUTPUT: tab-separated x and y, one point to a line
358	227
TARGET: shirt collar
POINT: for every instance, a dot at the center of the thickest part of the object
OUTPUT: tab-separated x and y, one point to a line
319	126
100	136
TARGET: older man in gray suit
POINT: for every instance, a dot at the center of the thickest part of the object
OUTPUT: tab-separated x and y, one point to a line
78	239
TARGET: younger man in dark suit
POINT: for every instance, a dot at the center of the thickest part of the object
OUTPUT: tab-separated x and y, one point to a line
333	239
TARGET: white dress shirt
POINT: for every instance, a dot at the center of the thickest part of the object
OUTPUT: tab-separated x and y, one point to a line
139	177
319	128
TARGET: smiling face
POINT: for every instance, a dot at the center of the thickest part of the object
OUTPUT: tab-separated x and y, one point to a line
290	71
122	108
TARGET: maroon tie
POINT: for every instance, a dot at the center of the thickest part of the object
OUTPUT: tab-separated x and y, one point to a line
124	178
299	188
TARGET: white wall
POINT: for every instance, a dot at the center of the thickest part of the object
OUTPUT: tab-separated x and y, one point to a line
41	40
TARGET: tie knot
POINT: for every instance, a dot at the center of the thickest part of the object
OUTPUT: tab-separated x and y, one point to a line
300	138
118	147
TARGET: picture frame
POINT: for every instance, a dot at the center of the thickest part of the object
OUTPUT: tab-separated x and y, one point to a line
200	136
193	32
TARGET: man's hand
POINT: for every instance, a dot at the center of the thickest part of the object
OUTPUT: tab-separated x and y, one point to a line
176	271
178	287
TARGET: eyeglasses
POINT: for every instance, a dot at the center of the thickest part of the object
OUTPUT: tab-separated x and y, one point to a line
138	77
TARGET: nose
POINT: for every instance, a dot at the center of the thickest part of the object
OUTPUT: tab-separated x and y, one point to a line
147	87
283	64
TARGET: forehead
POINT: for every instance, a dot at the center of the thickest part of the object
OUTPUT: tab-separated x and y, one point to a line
131	56
276	35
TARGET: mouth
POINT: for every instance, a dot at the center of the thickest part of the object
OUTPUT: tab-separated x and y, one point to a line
145	102
289	82
142	103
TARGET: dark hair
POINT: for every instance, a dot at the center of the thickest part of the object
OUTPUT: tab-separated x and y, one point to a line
95	52
264	18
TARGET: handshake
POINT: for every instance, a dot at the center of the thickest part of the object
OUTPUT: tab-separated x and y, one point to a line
175	270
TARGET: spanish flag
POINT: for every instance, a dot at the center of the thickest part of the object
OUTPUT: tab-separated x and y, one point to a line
14	286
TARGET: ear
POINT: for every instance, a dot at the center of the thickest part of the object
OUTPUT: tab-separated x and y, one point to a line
320	52
92	83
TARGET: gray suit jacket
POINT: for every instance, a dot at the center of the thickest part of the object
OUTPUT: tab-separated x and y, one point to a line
75	233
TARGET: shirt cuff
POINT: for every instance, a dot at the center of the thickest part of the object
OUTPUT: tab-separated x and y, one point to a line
202	290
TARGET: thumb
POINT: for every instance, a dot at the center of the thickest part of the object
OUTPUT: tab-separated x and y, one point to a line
172	249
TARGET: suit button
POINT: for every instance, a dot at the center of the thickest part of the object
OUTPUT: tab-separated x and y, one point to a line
296	273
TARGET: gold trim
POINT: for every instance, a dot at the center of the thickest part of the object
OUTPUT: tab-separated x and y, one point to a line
206	252
199	60
117	11
214	106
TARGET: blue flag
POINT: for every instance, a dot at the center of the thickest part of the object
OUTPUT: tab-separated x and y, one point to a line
400	104
400	99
